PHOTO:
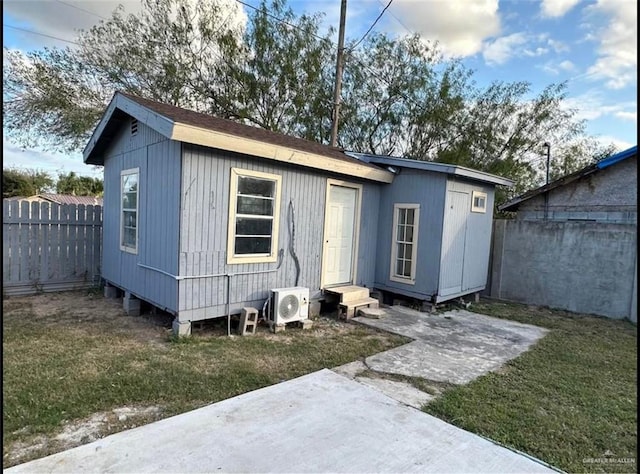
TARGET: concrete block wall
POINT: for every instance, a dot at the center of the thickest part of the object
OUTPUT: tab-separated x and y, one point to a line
584	267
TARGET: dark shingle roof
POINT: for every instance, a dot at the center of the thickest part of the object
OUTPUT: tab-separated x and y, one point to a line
196	119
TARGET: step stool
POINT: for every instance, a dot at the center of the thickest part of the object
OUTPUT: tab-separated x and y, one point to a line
248	321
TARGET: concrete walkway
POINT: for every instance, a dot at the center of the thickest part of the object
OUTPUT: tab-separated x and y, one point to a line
453	347
321	422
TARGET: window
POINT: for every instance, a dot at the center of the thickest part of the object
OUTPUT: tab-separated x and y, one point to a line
405	242
129	210
253	217
478	201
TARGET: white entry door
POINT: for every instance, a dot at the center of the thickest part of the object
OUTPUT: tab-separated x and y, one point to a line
340	234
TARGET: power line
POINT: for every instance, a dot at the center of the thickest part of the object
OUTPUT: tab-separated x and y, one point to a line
398	20
278	19
81	9
39	34
371	27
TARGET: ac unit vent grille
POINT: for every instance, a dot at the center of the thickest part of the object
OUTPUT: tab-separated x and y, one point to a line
289	306
134	126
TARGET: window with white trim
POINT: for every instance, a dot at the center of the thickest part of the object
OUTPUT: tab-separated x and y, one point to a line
253	216
405	242
478	201
129	210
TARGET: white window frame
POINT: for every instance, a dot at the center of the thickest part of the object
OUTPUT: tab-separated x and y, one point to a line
123	173
232	258
478	194
411	280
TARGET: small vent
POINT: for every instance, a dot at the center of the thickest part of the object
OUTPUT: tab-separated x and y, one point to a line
134	126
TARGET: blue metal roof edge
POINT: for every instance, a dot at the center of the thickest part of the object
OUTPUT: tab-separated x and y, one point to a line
618	157
432	166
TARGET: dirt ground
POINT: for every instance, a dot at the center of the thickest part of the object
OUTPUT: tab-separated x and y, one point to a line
77	312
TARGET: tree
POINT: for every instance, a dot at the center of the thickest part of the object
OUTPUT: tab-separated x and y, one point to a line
276	71
24	182
54	97
76	185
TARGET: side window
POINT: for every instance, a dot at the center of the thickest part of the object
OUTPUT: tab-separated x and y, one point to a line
129	210
478	201
404	242
254	211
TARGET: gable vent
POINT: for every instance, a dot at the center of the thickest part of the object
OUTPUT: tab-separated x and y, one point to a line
134	126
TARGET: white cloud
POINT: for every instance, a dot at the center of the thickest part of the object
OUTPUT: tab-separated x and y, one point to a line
630	116
556	68
617	62
504	48
14	156
459	26
557	8
65	20
592	105
620	145
59	20
567	66
535	52
558	46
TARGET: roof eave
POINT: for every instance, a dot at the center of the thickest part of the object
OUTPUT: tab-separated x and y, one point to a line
512	205
158	122
228	142
211	138
435	167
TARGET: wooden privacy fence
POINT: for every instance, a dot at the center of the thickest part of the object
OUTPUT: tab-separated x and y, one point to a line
50	247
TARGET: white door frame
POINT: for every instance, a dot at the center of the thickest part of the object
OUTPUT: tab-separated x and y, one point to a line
356	228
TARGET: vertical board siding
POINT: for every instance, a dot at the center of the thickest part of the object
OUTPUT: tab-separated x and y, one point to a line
204	226
475	240
368	242
158	160
428	190
48	247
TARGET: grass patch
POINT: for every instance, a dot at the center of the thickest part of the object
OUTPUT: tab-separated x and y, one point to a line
69	356
570	399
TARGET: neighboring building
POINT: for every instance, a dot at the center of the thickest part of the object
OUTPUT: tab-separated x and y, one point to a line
61	199
573	242
606	191
204	216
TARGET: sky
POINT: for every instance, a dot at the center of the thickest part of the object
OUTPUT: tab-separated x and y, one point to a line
590	44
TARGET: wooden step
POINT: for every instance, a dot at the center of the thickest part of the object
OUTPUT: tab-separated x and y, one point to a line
349	293
348	310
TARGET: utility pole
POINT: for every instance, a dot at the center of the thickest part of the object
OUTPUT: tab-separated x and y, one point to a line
547	145
339	66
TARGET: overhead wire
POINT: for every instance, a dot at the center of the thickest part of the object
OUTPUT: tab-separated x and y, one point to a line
39	34
333	46
81	9
371	27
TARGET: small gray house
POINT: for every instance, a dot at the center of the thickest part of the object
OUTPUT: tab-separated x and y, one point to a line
205	216
573	242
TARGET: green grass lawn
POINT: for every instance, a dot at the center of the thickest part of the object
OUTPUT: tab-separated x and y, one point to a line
567	401
67	356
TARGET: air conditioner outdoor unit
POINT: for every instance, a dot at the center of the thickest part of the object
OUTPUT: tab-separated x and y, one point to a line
290	304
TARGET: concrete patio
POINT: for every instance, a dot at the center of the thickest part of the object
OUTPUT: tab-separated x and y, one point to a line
452	347
321	422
